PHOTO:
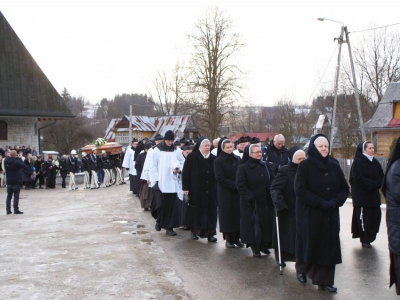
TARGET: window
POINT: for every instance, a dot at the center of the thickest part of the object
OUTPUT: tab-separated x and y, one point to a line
3	130
140	136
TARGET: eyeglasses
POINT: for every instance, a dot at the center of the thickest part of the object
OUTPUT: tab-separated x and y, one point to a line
258	152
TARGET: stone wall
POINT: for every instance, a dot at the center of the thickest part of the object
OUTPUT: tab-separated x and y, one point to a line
21	132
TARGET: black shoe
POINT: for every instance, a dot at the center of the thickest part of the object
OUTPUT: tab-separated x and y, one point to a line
256	255
212	239
193	236
185	228
328	288
366	245
17	212
281	264
170	232
266	251
9	212
157	227
229	245
302	277
239	244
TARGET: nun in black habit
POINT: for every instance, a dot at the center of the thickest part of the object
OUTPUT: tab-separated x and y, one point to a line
225	168
198	182
391	191
253	181
366	178
320	188
284	198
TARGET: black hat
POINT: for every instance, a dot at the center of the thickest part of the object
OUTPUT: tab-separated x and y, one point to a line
254	140
169	136
134	140
182	140
148	146
186	147
146	139
246	139
158	137
177	143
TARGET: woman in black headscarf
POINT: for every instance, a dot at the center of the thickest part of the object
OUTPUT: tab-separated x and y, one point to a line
253	180
320	188
284	198
225	168
366	177
391	191
198	181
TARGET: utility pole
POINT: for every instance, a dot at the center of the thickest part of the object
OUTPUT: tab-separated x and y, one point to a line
333	131
356	94
360	118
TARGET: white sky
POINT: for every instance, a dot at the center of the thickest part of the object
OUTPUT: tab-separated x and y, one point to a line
98	48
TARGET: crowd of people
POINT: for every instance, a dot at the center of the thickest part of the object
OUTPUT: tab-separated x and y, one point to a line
264	197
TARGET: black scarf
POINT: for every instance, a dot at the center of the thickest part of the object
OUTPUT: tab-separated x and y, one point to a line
163	147
316	157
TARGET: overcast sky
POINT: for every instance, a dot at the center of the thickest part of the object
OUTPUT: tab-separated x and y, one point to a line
102	48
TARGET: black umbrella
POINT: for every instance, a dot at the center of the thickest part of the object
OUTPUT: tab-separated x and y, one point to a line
257	228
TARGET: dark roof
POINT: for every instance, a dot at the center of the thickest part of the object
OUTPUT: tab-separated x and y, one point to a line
384	113
25	90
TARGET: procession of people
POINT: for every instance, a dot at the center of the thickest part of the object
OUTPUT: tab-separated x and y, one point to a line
264	198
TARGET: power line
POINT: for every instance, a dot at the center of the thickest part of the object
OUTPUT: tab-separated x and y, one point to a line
323	74
375	28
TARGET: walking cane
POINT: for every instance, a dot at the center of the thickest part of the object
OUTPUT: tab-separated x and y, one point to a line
279	243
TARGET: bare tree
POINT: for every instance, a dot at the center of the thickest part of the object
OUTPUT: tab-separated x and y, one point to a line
167	92
293	121
377	63
213	72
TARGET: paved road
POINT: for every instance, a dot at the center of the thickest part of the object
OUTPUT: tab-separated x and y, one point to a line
79	245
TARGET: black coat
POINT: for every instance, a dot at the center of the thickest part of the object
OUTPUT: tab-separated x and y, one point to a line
253	180
72	164
139	163
366	179
317	238
284	198
27	173
198	178
47	169
275	157
225	168
392	195
13	167
93	161
63	167
85	164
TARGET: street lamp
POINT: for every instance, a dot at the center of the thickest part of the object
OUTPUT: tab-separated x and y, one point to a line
356	94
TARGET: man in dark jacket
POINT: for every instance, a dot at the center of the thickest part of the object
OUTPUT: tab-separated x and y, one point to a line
13	167
39	176
276	154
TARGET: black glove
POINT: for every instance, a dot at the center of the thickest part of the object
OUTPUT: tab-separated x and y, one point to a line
325	205
333	204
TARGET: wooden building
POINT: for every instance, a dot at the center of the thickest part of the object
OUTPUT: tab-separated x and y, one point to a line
385	123
143	126
27	97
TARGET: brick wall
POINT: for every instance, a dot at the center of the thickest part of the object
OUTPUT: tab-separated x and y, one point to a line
21	132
